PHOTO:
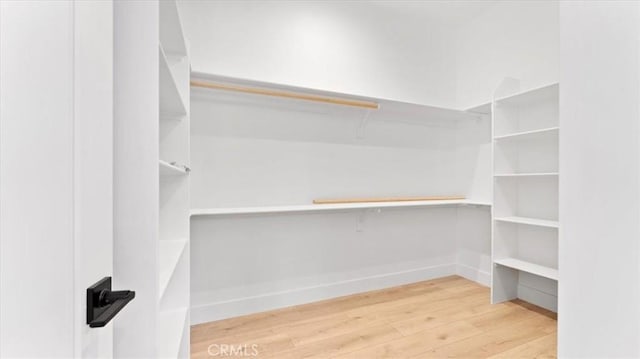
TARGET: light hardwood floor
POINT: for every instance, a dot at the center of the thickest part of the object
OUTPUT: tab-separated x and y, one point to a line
441	318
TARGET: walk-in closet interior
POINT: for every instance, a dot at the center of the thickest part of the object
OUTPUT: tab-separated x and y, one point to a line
350	179
315	150
247	154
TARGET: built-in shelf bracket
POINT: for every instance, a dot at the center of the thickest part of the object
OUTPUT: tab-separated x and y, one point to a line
360	131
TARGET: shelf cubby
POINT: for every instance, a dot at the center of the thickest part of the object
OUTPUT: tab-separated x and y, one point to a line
169	255
527	111
172	104
525	212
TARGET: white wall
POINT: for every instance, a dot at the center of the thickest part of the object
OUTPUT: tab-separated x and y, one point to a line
517	39
450	54
351	47
252	151
36	180
599	298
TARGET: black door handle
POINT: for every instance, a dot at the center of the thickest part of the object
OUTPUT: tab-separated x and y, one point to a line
103	304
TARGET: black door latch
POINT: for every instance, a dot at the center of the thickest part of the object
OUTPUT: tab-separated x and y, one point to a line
103	304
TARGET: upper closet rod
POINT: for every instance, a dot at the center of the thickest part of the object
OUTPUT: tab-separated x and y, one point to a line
285	94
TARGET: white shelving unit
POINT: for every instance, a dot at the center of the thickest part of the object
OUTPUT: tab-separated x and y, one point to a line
525	211
173	166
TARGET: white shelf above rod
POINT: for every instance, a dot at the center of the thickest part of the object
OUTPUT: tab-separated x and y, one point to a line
330	207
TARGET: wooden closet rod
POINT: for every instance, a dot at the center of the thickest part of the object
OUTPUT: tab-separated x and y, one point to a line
285	94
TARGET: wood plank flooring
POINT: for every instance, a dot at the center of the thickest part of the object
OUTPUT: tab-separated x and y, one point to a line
448	317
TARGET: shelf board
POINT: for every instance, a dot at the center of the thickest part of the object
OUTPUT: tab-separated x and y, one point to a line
528	267
329	207
544	93
484	109
533	133
171	102
171	33
529	221
532	174
170	329
167	169
169	255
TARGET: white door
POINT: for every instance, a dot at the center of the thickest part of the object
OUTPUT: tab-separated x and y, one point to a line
56	175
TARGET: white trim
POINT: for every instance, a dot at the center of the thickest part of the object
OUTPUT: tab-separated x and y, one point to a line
535	296
242	306
474	274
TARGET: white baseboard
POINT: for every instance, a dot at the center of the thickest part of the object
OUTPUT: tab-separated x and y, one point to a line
538	297
474	274
207	312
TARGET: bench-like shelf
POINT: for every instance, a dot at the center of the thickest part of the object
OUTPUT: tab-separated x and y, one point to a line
529	134
528	267
533	174
329	207
529	221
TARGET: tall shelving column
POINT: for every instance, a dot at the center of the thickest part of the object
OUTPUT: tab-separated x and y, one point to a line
173	246
525	212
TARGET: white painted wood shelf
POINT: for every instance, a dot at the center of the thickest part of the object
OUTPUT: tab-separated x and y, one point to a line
169	254
330	207
526	97
171	33
171	325
529	134
524	266
532	174
483	109
171	103
168	169
529	221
